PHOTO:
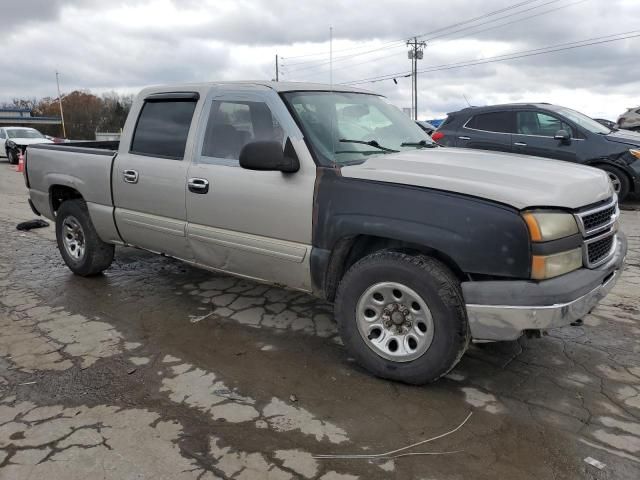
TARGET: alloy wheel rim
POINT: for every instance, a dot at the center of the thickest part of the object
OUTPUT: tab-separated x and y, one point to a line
394	321
73	238
615	181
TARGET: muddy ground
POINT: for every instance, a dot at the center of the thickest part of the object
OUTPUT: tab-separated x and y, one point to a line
157	370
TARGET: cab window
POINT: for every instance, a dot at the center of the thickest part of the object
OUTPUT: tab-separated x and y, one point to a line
163	128
233	124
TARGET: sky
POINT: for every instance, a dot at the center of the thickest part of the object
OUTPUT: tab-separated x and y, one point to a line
124	45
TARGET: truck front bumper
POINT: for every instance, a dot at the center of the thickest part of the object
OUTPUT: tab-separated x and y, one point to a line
503	310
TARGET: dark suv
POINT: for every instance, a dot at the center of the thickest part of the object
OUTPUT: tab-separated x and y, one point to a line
549	131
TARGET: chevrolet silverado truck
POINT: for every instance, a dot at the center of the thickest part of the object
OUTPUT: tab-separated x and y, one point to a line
335	192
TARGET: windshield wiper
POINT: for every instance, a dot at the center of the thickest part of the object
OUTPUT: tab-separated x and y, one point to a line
371	143
421	143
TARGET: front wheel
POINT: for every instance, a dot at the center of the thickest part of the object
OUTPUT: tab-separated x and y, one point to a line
619	181
82	250
402	317
12	157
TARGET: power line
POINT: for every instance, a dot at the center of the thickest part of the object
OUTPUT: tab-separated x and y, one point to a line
444	34
320	68
471	20
398	43
341	58
514	21
509	56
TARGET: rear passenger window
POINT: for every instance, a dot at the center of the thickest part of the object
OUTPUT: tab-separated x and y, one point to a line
499	122
163	128
233	124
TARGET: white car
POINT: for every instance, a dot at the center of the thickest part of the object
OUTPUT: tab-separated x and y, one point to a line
15	139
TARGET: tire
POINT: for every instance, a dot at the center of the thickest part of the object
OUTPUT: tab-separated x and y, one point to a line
11	157
620	180
425	283
81	248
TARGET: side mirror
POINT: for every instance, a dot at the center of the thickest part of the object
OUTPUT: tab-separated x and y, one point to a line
268	156
563	136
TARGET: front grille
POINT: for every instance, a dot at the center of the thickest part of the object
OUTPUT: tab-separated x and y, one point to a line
599	218
599	250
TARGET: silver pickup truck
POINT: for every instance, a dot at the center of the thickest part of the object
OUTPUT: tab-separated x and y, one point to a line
335	192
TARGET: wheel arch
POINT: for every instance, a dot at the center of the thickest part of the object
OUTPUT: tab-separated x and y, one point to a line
59	193
601	162
351	248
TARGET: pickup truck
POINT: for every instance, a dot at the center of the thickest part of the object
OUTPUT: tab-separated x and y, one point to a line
335	192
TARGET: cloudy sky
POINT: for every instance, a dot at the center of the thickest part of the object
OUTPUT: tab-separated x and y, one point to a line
124	45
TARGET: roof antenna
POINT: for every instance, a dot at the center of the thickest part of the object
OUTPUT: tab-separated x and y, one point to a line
466	99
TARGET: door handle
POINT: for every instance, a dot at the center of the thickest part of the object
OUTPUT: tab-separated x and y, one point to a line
520	144
464	138
130	176
198	185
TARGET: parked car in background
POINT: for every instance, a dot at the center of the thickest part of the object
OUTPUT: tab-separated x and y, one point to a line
607	123
630	120
56	139
421	248
551	131
14	140
426	126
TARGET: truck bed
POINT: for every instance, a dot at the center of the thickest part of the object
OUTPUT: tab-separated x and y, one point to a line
83	169
89	146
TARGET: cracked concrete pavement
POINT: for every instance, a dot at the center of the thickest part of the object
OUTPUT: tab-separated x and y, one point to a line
159	370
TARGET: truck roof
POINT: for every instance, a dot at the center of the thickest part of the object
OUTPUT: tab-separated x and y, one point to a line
277	86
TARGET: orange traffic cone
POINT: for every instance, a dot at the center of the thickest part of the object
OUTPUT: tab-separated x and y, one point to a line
20	167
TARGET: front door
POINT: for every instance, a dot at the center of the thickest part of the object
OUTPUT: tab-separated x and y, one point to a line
149	181
251	223
535	132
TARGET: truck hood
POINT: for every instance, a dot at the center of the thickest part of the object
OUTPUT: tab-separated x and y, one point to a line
517	180
29	141
626	137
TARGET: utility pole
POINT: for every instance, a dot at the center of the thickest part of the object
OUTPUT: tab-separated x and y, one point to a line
277	74
64	132
416	53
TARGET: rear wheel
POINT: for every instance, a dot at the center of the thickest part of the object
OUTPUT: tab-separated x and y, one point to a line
619	180
82	250
402	317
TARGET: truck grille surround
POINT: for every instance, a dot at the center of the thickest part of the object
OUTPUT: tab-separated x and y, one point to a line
598	226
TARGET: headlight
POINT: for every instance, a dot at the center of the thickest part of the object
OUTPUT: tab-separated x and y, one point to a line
549	266
546	226
549	226
635	153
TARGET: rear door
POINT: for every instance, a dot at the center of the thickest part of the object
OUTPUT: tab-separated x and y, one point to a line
149	179
487	131
3	141
535	132
251	223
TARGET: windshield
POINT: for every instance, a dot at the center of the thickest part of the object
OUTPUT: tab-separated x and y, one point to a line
345	128
585	122
23	133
